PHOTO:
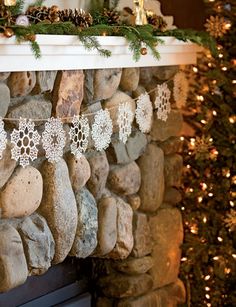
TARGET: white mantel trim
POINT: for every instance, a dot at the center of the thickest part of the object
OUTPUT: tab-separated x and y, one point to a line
66	52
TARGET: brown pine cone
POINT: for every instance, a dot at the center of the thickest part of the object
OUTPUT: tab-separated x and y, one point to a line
157	22
37	13
112	16
79	18
5	14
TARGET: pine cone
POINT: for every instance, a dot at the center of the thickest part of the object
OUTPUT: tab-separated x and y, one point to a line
111	16
5	13
37	13
78	17
157	22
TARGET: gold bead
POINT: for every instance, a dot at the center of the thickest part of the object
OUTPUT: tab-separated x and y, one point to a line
8	32
143	51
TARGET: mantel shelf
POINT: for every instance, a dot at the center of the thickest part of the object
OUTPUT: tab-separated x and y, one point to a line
61	52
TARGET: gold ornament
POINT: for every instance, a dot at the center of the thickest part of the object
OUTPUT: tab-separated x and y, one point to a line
140	14
9	2
217	26
143	50
8	32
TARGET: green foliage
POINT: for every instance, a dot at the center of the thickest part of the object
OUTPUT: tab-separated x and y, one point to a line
17	9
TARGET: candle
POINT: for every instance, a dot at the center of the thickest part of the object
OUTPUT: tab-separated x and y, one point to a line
9	2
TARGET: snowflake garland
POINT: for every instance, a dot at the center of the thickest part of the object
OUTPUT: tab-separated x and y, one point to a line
25	140
217	26
162	102
180	89
79	133
54	139
144	113
102	130
3	138
124	120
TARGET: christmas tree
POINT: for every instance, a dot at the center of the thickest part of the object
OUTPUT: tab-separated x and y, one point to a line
209	251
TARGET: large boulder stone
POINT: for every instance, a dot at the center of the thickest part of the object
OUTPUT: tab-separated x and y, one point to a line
45	81
125	179
129	79
7	166
152	178
172	145
142	236
13	266
99	172
125	240
161	130
85	240
133	266
122	286
173	168
164	73
4	99
134	201
58	207
145	75
172	295
4	75
107	226
68	93
22	194
172	196
38	242
148	300
21	83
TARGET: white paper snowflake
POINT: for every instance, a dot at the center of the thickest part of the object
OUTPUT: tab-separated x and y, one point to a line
180	89
3	138
25	141
162	102
124	120
79	133
102	130
144	113
54	139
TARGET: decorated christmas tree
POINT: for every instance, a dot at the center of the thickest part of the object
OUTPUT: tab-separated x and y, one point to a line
209	254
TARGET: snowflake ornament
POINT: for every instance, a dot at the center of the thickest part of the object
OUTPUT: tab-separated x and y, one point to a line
124	120
230	220
102	130
25	141
162	102
180	89
217	26
3	138
79	133
54	139
144	113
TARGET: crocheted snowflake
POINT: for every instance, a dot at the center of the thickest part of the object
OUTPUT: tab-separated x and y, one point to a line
144	113
25	140
3	138
53	139
124	120
102	130
79	133
162	102
180	89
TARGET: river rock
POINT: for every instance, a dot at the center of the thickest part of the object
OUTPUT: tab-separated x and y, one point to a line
58	207
45	81
85	240
125	179
164	73
172	196
68	93
173	168
4	75
172	145
145	75
4	99
22	194
129	79
125	240
172	295
152	181
148	300
7	166
99	172
133	266
13	266
21	83
134	201
79	170
107	226
38	242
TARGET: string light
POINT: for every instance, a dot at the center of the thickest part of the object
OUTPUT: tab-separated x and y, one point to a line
207	277
220	239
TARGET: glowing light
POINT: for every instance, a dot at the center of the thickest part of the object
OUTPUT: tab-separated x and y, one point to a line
207	277
195	69
182	138
184	259
234	256
216	258
182	208
204	220
231	204
228	25
207	296
214	113
203	186
207	289
224	68
194	229
203	121
221	55
200	98
232	119
227	271
220	239
200	199
210	194
234	81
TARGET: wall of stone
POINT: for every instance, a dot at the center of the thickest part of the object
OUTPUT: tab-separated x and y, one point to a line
117	207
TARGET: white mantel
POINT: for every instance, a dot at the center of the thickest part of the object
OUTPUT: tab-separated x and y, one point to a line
61	52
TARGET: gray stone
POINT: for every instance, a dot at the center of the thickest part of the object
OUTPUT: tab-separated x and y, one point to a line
173	168
120	153
34	107
164	73
4	75
145	75
122	286
161	130
129	79
107	226
38	242
142	236
125	179
79	170
99	172
4	99
172	145
139	91
148	300
58	207
7	166
133	266
22	194
172	295
21	83
113	105
13	266
125	240
134	201
45	81
172	196
85	240
152	180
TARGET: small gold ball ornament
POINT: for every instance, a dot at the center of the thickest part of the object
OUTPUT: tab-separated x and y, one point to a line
8	32
31	37
143	50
